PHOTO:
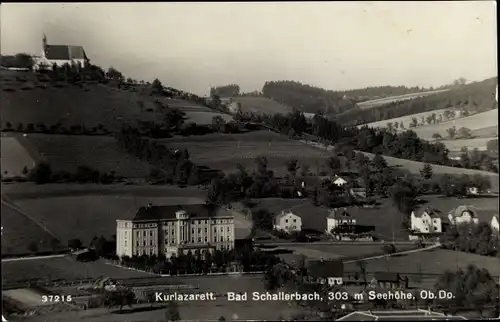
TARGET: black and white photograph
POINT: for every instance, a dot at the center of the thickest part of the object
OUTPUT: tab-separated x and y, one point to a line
249	161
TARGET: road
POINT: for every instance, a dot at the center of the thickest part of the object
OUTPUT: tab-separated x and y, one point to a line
436	245
31	258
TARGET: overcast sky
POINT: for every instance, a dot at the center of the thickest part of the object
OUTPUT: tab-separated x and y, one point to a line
334	45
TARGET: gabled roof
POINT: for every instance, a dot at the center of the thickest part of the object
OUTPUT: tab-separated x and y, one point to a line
458	212
326	268
431	212
169	212
339	214
282	214
64	52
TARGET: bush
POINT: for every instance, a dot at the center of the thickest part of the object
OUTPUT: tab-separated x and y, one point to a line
41	173
26	88
8	89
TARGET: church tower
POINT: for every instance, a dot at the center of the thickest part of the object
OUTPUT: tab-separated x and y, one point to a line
44	42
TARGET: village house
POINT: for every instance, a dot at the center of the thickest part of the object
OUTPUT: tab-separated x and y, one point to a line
287	221
425	222
463	214
473	190
339	181
495	223
329	272
170	230
340	221
388	280
60	55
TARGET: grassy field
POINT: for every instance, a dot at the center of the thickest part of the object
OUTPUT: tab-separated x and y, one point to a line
30	102
431	262
407	119
474	122
260	105
487	132
20	191
67	152
225	151
14	157
327	252
387	100
476	143
61	268
84	217
19	231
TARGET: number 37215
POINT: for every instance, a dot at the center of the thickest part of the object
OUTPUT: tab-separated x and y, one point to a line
56	298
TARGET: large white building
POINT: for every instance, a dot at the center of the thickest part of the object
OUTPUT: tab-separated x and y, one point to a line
170	230
287	221
61	55
426	221
463	214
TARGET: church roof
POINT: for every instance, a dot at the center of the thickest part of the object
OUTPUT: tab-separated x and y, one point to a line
64	52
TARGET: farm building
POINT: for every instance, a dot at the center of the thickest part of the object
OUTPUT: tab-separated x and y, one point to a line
287	221
388	280
61	55
463	214
327	271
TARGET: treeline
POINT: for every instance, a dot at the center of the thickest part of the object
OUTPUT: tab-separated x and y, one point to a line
42	173
58	128
369	93
20	60
479	96
171	166
230	90
242	260
306	98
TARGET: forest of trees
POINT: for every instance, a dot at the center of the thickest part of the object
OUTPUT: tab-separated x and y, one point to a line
20	60
479	96
306	98
230	90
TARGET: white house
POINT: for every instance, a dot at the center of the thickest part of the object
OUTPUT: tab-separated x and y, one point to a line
287	221
339	181
338	219
426	221
463	214
60	55
495	223
473	190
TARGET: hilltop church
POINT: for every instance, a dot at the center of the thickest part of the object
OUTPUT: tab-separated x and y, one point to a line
60	55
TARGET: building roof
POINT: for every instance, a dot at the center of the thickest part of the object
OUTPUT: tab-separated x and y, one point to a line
169	212
458	212
326	268
398	315
64	52
387	277
433	213
339	214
